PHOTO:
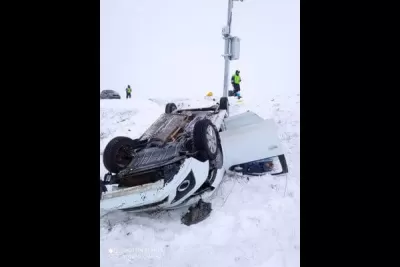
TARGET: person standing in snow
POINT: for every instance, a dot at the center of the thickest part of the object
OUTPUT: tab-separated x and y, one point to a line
236	80
128	92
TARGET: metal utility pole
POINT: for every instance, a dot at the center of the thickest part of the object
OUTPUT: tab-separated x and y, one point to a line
232	46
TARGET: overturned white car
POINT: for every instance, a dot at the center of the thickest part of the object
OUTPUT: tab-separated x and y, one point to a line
181	159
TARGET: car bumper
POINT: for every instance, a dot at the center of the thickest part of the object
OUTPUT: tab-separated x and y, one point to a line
158	195
111	97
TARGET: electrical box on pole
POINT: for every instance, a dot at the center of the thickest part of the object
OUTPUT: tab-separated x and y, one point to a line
234	48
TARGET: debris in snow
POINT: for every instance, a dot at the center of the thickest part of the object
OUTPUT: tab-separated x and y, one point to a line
197	213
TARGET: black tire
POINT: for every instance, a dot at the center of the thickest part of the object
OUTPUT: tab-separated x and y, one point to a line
115	156
223	103
170	107
203	133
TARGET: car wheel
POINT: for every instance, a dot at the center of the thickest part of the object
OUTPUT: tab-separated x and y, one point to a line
206	140
170	107
117	155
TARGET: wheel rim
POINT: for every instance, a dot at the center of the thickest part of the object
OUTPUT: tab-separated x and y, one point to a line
122	157
211	139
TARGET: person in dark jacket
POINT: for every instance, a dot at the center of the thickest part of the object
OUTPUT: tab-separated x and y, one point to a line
236	80
128	92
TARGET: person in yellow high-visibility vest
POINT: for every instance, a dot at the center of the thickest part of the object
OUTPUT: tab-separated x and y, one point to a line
236	80
128	92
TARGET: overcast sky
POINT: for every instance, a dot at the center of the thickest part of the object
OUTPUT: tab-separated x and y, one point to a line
174	47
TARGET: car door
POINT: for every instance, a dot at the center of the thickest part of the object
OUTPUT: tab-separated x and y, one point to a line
249	138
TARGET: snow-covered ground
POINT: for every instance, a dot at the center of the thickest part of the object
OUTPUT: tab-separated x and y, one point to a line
170	49
255	221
